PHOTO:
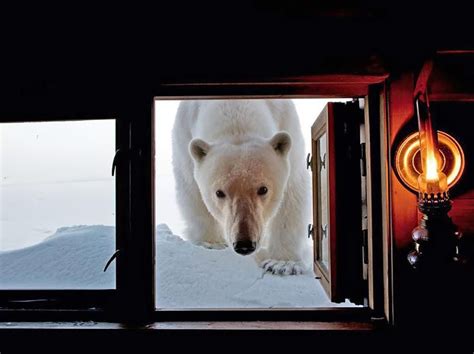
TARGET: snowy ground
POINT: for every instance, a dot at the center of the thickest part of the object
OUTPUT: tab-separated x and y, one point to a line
72	258
188	276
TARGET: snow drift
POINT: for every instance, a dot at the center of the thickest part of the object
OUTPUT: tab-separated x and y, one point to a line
72	258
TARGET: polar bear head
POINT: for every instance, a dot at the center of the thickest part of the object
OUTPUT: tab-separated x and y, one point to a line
242	185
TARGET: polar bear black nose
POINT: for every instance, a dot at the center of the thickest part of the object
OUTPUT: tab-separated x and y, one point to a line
244	247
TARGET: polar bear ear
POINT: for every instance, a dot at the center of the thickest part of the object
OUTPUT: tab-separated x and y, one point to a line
281	143
198	149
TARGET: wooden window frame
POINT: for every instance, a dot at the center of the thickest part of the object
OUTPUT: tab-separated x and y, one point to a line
343	276
36	304
319	87
135	299
318	129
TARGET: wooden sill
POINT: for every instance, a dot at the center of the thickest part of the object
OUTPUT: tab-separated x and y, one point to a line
193	326
266	325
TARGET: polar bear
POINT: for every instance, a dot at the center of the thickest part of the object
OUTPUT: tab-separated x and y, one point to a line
241	179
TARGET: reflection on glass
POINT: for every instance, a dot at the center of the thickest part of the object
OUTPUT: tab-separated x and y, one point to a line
57	205
323	202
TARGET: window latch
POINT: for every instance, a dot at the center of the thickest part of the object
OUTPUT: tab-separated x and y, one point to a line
310	230
111	260
134	153
114	162
308	162
324	231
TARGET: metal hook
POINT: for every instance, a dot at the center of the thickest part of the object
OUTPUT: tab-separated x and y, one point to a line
135	153
114	162
308	161
324	230
111	260
323	161
310	230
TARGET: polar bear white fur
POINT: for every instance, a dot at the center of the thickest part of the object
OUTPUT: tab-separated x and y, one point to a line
241	179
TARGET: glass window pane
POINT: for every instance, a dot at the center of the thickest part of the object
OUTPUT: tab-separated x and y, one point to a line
57	205
323	195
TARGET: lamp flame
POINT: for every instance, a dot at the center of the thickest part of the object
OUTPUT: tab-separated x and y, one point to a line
432	170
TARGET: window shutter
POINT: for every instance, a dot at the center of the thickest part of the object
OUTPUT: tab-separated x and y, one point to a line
338	202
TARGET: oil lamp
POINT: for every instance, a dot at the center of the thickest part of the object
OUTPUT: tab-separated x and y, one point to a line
436	237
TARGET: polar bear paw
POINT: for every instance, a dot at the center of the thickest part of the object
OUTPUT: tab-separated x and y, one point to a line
283	267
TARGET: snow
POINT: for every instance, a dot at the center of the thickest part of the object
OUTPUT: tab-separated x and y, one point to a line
188	276
72	258
193	276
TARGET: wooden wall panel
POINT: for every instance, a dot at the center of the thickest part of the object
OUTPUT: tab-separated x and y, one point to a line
403	202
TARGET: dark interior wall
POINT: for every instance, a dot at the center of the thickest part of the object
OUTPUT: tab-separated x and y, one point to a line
124	49
105	59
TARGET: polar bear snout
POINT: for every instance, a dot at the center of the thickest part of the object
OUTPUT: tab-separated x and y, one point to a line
245	229
245	247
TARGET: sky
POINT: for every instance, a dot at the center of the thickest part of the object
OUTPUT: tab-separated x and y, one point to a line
54	174
56	152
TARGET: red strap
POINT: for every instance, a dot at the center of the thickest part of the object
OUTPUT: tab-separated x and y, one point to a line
421	88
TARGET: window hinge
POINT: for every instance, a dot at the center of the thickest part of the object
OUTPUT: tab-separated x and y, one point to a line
365	245
365	255
363	160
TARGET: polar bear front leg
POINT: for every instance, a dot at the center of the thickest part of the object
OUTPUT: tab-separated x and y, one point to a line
287	250
205	236
201	228
280	258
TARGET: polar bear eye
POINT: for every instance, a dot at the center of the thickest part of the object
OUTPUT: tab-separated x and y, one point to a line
262	190
220	194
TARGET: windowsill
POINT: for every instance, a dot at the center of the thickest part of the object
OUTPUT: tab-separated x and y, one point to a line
194	326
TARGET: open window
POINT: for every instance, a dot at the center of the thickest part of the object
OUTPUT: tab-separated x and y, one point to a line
190	276
339	201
